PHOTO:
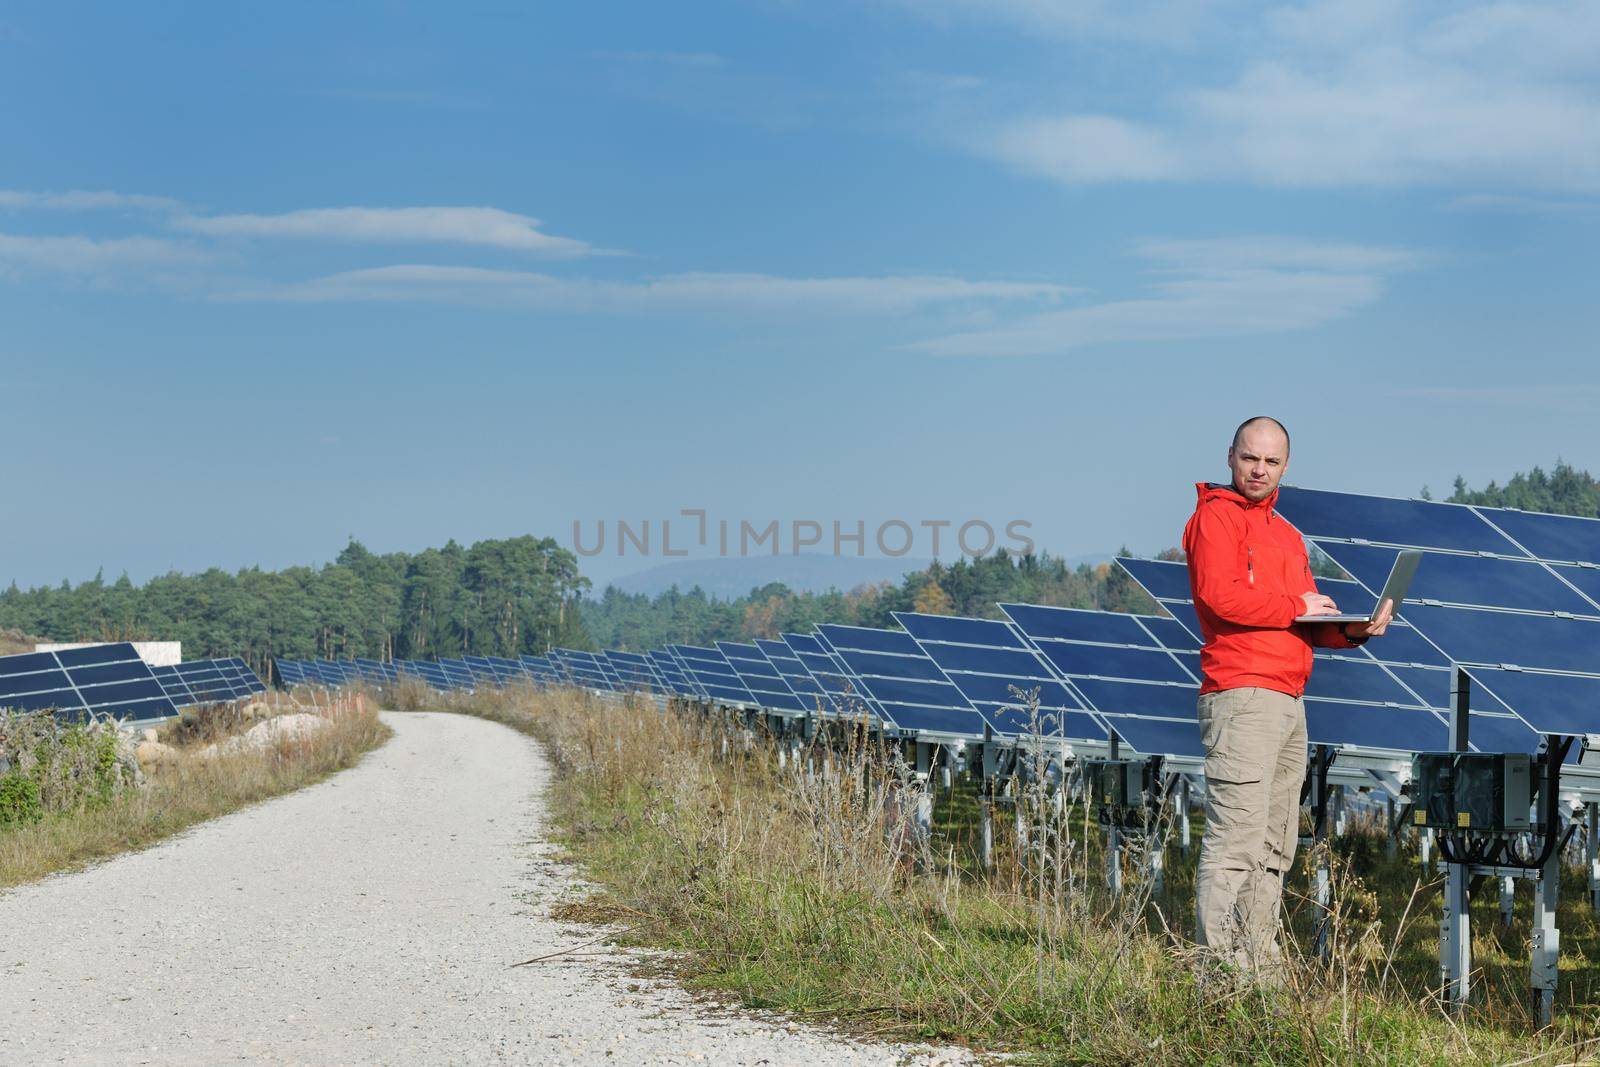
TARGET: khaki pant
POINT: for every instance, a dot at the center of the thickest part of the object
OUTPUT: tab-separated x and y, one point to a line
1255	742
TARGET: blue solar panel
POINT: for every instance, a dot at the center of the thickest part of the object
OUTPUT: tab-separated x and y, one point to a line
811	695
1001	676
1075	624
715	675
1374	726
909	688
173	686
766	685
1486	581
1560	538
1319	514
1542	642
1115	661
107	679
1547	612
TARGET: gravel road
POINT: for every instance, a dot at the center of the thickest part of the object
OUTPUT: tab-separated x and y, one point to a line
368	919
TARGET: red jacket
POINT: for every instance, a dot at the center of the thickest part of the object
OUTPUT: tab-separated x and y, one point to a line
1247	569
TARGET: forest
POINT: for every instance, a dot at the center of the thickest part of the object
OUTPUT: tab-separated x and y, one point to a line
524	594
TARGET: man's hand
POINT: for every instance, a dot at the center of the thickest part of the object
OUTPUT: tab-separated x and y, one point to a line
1317	604
1375	628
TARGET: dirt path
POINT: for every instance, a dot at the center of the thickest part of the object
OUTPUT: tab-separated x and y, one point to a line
368	919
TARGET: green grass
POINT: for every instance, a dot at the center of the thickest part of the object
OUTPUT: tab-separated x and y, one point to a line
184	791
792	892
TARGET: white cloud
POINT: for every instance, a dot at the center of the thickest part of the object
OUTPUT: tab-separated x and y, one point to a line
482	226
1152	21
1229	287
80	255
674	292
84	200
1346	93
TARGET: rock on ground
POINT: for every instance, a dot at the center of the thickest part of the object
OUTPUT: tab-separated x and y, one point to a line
372	918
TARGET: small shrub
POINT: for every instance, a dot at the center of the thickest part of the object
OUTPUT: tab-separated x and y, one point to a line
19	799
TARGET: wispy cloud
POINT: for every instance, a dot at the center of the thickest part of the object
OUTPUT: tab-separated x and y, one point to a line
422	283
482	226
84	200
78	255
1152	21
1343	93
1229	287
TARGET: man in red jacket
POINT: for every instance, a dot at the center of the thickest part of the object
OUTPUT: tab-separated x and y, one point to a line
1251	579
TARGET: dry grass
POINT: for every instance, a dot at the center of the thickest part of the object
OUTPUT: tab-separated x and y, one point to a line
805	888
190	789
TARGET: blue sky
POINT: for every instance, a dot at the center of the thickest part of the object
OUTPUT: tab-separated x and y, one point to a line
272	275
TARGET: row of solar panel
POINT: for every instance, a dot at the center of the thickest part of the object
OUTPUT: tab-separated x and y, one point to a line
1512	597
111	680
1057	672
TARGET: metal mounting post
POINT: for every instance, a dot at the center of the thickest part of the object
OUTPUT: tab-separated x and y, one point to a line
1394	831
987	770
1455	928
1591	844
1546	936
1508	899
1184	837
1319	848
1114	838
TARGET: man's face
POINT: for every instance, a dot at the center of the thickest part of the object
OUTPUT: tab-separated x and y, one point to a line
1258	461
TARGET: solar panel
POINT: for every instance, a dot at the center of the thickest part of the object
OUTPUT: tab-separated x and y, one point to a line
252	681
457	673
991	664
1557	538
634	670
813	698
759	676
174	686
845	698
671	674
905	685
97	680
715	675
209	681
1526	616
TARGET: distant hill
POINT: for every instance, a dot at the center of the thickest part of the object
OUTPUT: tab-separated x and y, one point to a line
734	577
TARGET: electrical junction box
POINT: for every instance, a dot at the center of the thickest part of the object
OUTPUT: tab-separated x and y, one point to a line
1480	792
1123	783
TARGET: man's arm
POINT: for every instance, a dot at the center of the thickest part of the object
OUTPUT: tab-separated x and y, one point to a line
1222	583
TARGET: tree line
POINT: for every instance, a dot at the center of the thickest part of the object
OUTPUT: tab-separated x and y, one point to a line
967	587
498	598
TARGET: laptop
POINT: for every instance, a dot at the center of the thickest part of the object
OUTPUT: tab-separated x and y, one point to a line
1394	590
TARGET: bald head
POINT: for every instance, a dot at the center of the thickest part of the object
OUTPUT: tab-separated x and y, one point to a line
1258	456
1261	422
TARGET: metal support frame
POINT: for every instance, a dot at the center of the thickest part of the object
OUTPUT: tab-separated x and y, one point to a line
1545	948
1114	838
989	772
1185	837
1323	878
1389	845
1455	928
1591	845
